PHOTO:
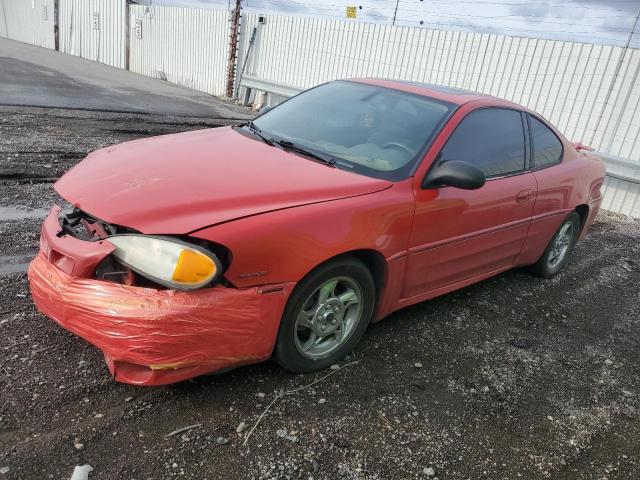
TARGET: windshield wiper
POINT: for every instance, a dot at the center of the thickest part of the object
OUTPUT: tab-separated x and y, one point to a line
288	145
292	147
258	133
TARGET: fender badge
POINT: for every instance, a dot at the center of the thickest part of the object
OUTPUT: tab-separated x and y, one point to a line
260	273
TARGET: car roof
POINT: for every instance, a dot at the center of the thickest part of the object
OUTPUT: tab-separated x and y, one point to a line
457	96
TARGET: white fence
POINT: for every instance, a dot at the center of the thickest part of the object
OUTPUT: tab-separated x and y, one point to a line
590	92
94	29
28	21
621	197
185	46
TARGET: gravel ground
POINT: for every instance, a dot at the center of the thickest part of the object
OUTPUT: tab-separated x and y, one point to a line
514	377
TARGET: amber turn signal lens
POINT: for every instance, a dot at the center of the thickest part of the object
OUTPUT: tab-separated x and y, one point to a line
193	267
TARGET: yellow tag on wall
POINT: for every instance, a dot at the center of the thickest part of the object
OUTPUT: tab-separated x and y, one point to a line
351	12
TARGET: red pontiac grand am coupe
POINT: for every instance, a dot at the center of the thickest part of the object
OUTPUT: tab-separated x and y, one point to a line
191	253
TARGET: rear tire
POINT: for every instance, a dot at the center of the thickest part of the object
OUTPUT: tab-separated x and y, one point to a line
326	315
556	255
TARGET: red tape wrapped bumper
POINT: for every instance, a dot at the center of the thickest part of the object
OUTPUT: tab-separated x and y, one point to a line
155	337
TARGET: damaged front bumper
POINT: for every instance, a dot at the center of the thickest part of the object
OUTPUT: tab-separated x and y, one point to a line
151	336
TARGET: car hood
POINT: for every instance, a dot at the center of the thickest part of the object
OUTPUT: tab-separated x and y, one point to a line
183	182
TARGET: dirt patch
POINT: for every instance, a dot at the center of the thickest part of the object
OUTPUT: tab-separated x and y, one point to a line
520	377
38	145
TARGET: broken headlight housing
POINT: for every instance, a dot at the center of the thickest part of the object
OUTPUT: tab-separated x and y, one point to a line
158	260
167	261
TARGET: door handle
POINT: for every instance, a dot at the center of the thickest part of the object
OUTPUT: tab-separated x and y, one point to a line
524	196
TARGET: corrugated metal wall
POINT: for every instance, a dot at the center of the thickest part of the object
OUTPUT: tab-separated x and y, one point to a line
28	21
590	92
621	118
621	197
568	83
94	29
182	45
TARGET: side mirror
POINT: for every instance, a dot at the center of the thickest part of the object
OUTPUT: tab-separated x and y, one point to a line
454	173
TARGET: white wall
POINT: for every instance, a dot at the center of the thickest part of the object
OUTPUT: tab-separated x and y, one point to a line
590	92
185	46
621	197
94	29
28	21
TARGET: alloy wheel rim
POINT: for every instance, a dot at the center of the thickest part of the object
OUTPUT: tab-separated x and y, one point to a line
561	245
328	317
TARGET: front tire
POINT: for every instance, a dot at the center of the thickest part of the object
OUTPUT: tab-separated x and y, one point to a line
556	256
326	315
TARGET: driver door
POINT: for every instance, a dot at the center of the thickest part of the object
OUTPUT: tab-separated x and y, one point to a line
461	236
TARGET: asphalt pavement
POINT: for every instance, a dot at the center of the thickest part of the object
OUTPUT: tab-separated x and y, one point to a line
34	76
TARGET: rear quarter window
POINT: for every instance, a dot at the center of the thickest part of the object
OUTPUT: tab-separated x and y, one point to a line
546	146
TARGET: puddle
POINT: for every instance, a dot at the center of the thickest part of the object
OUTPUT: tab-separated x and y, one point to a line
15	263
8	214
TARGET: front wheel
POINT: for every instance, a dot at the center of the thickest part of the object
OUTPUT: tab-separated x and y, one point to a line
557	253
326	316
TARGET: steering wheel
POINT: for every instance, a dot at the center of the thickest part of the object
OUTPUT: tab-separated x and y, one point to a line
398	146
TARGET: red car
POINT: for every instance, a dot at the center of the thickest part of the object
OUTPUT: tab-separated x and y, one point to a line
191	253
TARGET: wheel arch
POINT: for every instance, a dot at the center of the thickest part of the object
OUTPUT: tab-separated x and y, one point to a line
375	262
372	261
583	211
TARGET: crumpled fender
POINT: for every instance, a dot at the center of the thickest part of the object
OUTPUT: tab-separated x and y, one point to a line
153	337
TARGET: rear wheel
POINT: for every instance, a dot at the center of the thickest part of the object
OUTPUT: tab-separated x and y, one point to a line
557	253
326	316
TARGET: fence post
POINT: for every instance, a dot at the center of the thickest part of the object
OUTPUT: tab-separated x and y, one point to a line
233	48
127	34
56	25
246	56
395	13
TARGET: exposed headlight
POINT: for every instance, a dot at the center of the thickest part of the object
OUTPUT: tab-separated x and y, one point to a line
167	261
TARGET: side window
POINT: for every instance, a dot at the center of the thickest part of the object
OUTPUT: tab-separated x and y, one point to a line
492	139
547	148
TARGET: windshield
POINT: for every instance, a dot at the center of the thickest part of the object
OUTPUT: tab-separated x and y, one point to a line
371	130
